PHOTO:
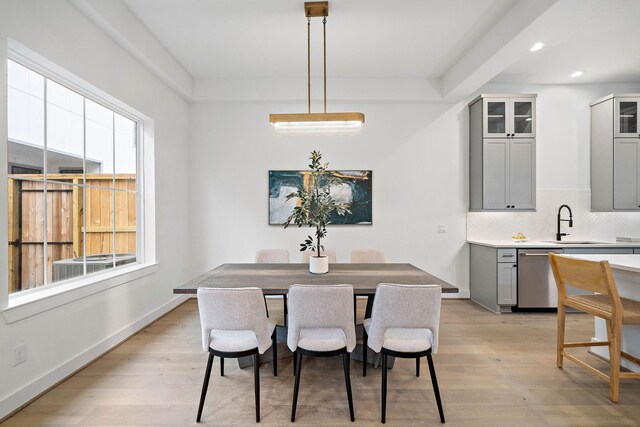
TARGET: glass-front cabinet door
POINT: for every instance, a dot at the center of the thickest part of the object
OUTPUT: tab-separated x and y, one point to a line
495	117
522	117
626	117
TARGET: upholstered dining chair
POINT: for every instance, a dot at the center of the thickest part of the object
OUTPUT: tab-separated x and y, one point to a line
404	323
606	303
367	256
234	324
272	256
321	325
329	253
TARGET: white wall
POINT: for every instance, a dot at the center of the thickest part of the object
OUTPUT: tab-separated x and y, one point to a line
60	340
418	156
563	156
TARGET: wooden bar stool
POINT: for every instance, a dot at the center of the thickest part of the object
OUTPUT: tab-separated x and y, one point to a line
606	303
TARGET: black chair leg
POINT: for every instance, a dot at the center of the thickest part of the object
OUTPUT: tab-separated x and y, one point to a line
436	390
346	364
296	386
417	366
274	345
295	361
364	354
383	417
205	385
355	310
286	313
256	382
221	366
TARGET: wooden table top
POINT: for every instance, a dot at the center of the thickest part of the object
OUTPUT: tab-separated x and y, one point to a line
275	279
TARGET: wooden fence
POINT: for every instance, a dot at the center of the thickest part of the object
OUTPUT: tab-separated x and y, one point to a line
65	211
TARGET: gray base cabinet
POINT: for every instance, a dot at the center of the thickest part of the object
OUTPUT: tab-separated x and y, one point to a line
493	277
493	273
507	283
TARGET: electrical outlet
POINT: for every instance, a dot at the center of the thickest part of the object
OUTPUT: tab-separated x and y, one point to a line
442	228
19	354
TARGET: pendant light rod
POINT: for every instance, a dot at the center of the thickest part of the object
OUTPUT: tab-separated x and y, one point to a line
324	45
309	64
317	122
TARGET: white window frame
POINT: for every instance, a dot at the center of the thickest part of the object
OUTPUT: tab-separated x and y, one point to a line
32	301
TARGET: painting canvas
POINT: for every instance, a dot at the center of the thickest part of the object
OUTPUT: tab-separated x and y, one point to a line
355	190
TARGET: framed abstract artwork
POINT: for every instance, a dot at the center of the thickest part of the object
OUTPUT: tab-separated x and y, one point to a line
356	189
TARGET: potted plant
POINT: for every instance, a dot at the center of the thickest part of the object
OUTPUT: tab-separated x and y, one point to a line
315	206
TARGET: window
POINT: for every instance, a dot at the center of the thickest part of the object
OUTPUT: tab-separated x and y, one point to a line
72	187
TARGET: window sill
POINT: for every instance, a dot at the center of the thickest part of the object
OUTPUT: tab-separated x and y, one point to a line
23	306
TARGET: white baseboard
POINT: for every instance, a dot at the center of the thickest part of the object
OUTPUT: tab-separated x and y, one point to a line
32	390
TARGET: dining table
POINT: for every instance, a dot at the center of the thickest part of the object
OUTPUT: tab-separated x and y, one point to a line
275	279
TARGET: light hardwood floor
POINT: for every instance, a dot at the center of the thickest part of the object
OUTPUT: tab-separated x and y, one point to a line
493	370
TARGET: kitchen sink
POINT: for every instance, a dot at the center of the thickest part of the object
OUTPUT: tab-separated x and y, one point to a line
574	242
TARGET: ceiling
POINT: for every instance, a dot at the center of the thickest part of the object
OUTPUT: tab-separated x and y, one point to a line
365	38
455	45
601	38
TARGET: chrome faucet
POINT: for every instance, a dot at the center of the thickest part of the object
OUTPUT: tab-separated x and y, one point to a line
570	221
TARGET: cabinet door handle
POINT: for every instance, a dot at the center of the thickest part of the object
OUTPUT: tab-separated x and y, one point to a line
515	265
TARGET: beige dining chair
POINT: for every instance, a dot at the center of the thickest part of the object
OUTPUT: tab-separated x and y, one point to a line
404	323
321	325
367	256
234	324
594	276
272	256
306	255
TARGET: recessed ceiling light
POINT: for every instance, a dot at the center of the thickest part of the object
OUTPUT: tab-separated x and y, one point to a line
577	74
536	47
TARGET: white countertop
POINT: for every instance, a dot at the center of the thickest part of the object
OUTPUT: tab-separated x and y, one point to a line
543	244
620	262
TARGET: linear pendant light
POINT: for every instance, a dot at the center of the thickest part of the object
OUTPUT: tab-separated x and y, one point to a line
316	122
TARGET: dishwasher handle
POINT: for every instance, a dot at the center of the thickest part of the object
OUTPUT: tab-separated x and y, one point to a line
540	253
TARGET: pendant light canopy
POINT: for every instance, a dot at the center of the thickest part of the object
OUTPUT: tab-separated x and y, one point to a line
316	122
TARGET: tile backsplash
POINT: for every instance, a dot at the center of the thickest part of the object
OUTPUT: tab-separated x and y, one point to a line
541	225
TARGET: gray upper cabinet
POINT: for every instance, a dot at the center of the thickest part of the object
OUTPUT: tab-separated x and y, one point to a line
523	117
502	152
626	173
615	153
509	116
522	176
626	117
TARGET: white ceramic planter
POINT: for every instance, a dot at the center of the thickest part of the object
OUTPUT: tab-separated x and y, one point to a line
319	264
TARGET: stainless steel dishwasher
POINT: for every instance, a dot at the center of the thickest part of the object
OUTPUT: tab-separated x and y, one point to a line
536	284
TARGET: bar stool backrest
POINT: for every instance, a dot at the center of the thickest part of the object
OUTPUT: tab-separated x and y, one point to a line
592	276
